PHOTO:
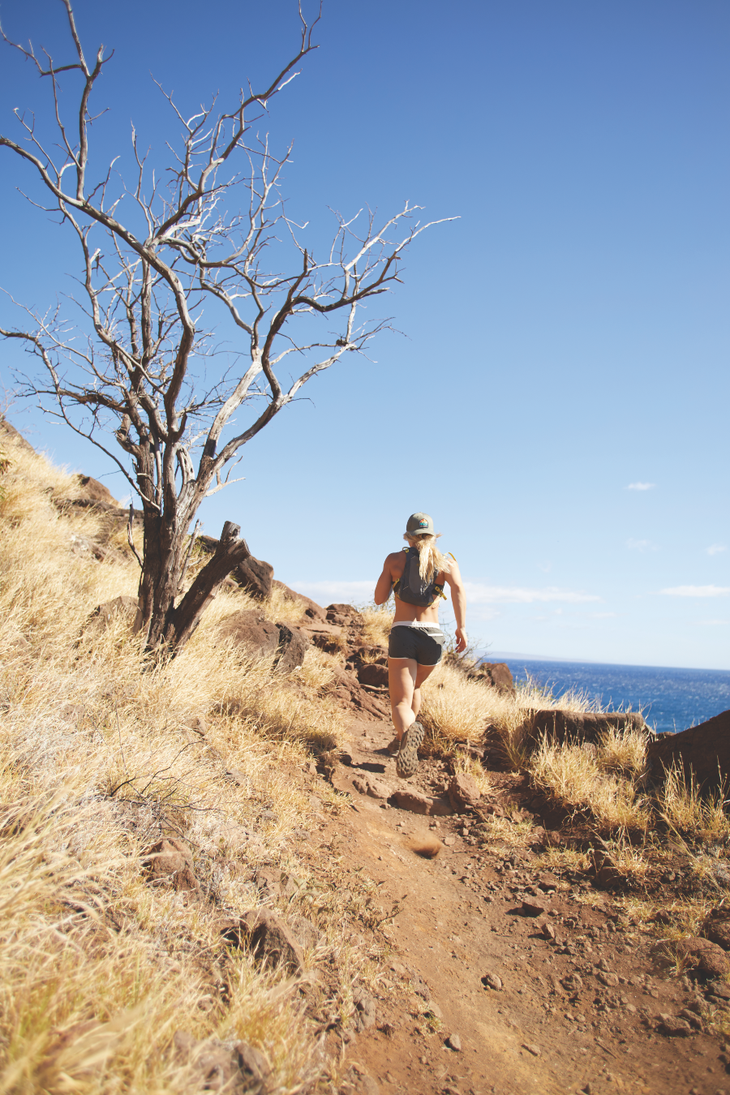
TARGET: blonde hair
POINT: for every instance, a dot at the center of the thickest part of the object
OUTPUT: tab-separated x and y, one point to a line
430	559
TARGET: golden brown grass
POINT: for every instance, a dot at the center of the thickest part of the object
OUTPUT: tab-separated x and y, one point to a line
100	754
690	814
377	623
573	777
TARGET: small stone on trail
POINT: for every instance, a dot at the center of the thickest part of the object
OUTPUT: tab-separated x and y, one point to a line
454	1042
547	930
529	909
532	1048
427	846
492	981
449	841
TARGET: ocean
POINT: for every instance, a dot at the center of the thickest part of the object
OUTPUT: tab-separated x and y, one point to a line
670	699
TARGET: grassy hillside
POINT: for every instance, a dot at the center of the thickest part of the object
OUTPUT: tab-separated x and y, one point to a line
116	980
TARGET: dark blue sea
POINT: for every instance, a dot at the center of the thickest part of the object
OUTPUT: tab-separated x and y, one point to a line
669	699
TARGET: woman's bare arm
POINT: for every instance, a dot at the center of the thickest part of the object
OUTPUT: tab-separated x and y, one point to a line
458	599
384	583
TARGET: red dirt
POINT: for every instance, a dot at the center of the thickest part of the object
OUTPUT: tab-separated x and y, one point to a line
456	923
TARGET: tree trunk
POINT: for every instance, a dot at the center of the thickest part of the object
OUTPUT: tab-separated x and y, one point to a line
169	627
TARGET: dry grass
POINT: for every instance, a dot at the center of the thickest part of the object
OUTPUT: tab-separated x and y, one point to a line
573	777
100	755
623	752
377	625
690	814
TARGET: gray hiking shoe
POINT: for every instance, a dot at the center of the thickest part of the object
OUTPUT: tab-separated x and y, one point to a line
407	760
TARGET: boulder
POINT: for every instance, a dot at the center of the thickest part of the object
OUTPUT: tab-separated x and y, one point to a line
463	792
312	610
374	675
95	491
716	927
268	938
8	431
170	860
703	957
292	648
255	576
248	628
703	750
581	726
344	615
417	803
496	674
240	1069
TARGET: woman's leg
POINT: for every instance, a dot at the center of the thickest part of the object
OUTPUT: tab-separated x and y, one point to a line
402	677
422	673
405	677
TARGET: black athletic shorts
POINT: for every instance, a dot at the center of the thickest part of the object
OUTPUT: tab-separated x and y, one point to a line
424	645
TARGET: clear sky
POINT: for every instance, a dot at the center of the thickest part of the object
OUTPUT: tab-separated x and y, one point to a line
558	399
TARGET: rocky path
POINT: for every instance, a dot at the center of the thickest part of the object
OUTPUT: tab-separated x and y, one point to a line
520	979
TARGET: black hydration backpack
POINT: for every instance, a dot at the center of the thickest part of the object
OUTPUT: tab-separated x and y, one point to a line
411	587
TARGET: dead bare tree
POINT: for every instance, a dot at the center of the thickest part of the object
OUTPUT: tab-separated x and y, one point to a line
140	362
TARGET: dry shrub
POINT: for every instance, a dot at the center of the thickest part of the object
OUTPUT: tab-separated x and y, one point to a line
623	751
572	777
456	709
377	623
631	861
685	810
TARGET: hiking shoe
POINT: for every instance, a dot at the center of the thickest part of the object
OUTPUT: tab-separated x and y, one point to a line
407	760
394	747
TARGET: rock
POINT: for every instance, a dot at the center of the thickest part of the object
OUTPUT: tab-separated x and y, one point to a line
291	650
610	980
704	957
492	981
463	792
248	628
268	938
170	860
239	1068
374	675
454	1042
310	608
572	983
529	908
428	847
673	1026
374	788
413	801
122	607
95	491
704	750
364	1008
9	432
606	874
547	930
255	576
580	726
716	927
532	1048
344	615
496	674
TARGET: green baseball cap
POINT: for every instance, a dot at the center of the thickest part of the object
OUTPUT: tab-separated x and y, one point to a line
419	524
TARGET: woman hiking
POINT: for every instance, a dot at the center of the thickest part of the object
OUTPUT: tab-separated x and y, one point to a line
417	575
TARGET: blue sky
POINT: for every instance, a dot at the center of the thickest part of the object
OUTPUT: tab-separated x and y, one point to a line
558	399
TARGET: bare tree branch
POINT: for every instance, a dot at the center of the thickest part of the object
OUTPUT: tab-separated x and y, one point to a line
162	267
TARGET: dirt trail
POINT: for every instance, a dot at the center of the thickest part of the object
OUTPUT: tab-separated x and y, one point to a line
580	1012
